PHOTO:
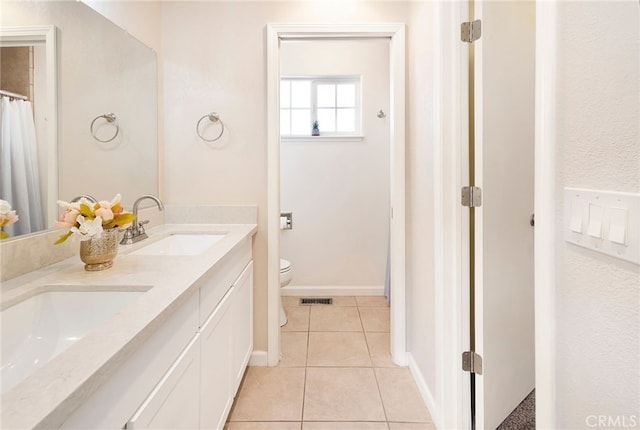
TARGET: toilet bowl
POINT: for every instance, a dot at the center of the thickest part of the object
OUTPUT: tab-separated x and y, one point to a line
285	278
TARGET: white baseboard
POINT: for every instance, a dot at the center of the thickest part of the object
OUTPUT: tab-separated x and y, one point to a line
425	392
258	359
333	290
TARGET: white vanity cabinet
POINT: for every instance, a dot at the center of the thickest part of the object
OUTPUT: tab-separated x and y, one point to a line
173	403
186	374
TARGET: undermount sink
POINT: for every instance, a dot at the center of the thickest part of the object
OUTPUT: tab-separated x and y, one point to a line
36	330
181	244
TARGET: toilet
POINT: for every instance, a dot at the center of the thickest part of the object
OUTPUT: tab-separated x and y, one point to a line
285	279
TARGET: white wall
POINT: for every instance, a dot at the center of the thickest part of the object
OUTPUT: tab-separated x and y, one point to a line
338	191
214	60
422	120
598	146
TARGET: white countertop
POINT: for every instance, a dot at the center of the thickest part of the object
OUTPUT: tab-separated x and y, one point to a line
47	397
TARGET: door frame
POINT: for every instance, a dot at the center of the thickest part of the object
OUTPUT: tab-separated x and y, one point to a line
451	222
30	35
545	238
315	31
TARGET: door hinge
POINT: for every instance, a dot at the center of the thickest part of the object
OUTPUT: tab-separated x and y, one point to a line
471	31
472	197
472	362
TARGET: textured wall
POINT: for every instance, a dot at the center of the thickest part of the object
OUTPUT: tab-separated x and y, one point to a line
598	146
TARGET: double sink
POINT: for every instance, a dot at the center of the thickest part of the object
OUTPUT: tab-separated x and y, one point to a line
54	317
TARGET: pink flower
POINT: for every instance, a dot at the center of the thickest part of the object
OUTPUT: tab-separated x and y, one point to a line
67	218
104	212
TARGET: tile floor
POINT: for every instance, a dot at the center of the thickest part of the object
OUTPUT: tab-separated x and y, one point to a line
336	373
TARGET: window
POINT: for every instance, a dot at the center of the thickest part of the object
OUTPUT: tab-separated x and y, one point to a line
333	102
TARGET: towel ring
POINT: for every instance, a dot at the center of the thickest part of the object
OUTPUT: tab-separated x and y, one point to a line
111	119
213	117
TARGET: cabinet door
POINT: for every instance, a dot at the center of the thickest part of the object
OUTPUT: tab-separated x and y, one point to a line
215	382
242	327
173	403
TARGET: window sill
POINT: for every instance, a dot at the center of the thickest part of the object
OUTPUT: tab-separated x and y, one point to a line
346	138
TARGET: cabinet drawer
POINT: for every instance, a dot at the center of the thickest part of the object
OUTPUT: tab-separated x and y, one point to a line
215	284
174	402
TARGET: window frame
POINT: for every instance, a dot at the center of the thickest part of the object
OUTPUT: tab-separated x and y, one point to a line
316	80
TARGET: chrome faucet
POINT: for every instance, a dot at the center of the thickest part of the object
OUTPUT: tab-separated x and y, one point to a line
86	196
135	232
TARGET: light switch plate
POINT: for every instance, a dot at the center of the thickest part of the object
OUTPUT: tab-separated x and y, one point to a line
603	221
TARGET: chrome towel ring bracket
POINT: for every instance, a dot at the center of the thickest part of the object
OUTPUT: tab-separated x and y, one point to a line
213	117
111	119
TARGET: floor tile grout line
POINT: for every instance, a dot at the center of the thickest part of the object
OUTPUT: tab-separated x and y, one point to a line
384	408
360	317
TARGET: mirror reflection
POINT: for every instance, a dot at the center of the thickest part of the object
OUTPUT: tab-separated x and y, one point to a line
92	130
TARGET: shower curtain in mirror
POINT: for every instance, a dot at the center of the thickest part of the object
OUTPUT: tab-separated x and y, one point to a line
19	179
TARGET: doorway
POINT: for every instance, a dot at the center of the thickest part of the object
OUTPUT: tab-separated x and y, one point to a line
336	184
395	33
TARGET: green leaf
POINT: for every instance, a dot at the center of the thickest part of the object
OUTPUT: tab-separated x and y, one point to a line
86	211
122	219
63	238
3	235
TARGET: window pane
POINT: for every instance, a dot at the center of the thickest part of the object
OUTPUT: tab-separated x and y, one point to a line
346	95
285	93
301	94
327	120
347	120
285	122
301	121
326	95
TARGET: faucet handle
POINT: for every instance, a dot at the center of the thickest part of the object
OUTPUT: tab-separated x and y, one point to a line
127	238
143	222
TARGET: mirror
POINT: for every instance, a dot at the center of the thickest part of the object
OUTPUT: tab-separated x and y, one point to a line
97	69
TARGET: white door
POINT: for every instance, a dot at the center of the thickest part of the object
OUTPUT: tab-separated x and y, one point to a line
504	168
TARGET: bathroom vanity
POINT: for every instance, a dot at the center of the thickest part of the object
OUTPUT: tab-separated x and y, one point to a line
171	356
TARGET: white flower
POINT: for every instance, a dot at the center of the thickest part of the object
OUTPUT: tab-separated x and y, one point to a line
5	207
116	200
88	229
75	205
